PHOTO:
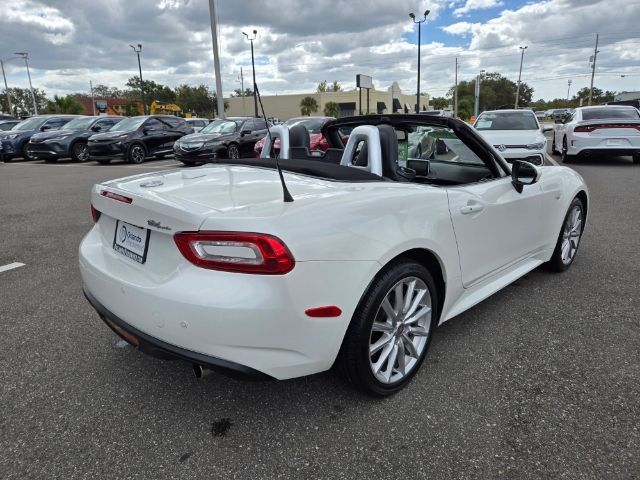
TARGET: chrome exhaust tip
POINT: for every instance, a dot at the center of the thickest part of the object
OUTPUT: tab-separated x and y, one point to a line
199	371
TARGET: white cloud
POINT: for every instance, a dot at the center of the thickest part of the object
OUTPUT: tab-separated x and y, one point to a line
460	28
476	5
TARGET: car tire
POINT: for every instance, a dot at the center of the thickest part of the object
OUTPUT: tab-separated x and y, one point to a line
569	238
375	342
233	151
25	153
80	152
636	159
554	149
565	157
51	160
136	154
187	163
104	161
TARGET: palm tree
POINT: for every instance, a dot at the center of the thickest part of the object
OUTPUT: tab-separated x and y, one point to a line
331	109
68	105
308	105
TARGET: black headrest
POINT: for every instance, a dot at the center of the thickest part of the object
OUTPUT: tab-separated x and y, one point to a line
299	137
389	151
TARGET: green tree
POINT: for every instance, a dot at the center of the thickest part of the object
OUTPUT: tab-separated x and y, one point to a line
331	109
440	103
130	109
68	105
239	93
322	87
308	105
103	91
22	102
496	91
335	87
152	91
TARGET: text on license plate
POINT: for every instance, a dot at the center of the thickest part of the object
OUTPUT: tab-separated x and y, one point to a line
131	241
614	142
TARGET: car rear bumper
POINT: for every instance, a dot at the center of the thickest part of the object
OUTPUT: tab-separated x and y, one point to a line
157	348
603	145
256	321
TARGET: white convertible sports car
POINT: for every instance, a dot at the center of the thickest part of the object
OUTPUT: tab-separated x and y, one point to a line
605	130
349	260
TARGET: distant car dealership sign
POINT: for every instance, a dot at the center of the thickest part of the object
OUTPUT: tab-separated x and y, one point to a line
364	81
101	106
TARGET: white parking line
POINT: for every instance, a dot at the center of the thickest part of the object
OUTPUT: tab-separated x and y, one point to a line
11	266
551	159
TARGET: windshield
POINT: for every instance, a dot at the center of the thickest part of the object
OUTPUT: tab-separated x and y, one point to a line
128	124
313	125
82	123
30	123
220	126
507	121
602	113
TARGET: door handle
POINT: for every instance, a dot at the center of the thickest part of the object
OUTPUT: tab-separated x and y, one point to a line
471	208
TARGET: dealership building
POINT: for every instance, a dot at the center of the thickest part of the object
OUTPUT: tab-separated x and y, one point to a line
284	107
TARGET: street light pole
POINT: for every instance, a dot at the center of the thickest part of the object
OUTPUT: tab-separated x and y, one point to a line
522	49
213	18
6	88
455	93
476	109
568	88
138	50
25	55
593	68
419	22
253	66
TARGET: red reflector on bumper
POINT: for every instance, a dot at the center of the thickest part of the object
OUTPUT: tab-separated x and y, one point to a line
324	312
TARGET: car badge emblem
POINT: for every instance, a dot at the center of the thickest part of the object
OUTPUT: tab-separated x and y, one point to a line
502	148
156	182
156	224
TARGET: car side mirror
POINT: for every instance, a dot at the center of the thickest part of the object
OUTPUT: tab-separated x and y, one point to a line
245	132
522	174
44	128
96	128
547	128
558	120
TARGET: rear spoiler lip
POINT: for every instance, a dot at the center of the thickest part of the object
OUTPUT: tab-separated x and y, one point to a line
608	121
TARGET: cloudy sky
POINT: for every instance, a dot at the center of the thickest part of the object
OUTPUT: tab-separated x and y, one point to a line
301	43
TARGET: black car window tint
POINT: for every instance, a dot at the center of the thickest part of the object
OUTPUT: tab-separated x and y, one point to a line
154	123
248	125
56	123
260	125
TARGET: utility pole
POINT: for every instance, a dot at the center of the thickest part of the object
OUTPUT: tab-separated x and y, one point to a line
419	22
476	108
25	55
522	49
593	69
6	89
455	93
568	88
93	102
216	57
244	108
144	104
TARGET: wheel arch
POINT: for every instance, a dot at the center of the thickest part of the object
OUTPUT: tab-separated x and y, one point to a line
584	198
431	262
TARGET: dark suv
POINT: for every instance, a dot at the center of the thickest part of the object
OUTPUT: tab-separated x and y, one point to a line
137	138
13	143
71	140
233	137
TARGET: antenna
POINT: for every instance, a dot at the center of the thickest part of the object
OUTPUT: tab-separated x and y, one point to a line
285	190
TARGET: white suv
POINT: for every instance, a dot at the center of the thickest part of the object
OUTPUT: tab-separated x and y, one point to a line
516	134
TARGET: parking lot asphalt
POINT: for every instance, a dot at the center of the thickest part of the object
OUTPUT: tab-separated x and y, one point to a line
542	380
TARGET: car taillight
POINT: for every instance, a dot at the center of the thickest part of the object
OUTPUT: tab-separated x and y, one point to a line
236	252
116	196
95	214
591	128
